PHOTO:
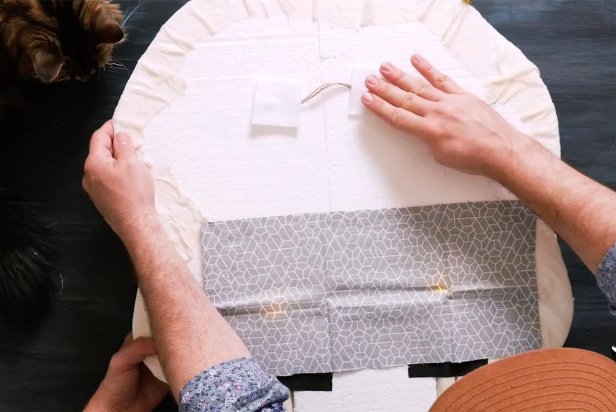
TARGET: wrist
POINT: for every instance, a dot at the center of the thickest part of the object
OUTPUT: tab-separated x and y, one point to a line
512	158
139	227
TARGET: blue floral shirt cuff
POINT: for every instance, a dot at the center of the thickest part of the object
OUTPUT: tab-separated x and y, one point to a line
606	278
236	385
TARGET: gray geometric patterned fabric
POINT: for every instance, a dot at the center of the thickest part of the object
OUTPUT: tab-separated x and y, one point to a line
337	291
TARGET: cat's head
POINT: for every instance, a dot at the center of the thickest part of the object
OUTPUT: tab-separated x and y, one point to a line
61	40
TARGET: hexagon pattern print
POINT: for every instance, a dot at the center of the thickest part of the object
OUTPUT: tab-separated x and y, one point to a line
337	291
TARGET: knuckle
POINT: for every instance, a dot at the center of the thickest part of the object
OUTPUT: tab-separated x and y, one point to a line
84	183
436	130
92	164
408	99
439	110
132	161
446	109
396	117
385	88
442	79
88	166
398	75
420	87
115	361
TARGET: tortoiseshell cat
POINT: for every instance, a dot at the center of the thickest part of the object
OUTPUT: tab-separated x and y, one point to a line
49	41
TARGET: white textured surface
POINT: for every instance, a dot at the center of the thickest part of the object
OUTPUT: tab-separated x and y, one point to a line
277	103
333	162
358	87
371	390
193	57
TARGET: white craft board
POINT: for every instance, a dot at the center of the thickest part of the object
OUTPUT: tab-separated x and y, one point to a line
188	105
233	170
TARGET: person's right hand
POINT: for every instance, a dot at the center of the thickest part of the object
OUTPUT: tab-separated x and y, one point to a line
462	131
118	182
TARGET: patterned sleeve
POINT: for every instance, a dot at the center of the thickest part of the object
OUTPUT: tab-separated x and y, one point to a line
606	278
236	385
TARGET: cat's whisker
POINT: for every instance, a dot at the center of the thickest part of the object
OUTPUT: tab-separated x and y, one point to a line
112	70
128	15
117	64
115	67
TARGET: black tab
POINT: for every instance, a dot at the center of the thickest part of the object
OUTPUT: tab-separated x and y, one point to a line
308	382
444	370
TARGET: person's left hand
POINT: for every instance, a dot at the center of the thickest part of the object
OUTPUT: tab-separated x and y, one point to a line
129	385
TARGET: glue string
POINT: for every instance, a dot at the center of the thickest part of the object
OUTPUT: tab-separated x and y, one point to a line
322	88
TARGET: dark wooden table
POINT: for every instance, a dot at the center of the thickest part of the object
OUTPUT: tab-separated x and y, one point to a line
42	153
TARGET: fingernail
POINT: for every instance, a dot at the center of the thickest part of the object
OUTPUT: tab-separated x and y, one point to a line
387	68
367	97
418	58
372	80
122	138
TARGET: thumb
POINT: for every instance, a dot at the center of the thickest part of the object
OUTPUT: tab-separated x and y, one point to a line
123	146
132	354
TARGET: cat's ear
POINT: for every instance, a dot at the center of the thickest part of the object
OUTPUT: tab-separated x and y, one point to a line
47	65
107	30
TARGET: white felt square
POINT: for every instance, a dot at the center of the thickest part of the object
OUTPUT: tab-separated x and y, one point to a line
277	103
358	87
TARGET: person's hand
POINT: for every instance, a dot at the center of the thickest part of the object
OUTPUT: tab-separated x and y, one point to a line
118	182
462	131
129	385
